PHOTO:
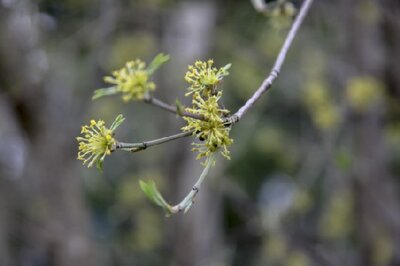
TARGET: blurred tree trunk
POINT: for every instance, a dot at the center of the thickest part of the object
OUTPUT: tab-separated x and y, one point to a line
391	36
197	236
375	188
50	215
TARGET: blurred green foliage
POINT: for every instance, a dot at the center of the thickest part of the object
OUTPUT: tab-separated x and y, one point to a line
328	127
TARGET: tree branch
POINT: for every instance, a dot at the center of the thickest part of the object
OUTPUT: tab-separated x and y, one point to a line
134	147
188	201
172	109
267	83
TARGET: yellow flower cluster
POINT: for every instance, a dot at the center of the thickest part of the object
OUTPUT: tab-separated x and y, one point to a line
97	141
203	79
320	105
132	80
364	92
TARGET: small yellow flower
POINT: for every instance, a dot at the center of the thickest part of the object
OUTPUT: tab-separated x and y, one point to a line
132	80
97	141
203	77
211	130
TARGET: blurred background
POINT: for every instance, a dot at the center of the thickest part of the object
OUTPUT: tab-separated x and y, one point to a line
314	174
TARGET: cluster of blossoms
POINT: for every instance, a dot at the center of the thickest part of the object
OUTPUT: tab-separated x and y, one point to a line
97	141
206	118
212	129
132	80
363	92
203	79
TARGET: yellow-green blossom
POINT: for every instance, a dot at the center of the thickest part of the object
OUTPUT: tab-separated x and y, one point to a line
203	77
211	130
97	141
132	80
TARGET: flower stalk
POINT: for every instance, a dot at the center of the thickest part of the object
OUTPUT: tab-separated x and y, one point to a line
178	110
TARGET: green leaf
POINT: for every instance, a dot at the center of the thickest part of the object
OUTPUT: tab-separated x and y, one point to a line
158	61
154	195
104	92
227	67
117	122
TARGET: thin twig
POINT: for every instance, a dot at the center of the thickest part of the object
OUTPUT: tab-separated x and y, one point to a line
188	201
267	83
134	147
172	109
